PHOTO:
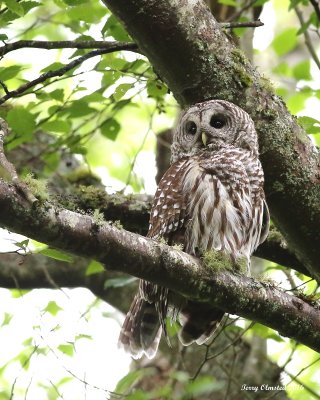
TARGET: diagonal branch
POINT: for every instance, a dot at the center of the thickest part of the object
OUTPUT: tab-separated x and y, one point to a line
307	38
63	70
144	258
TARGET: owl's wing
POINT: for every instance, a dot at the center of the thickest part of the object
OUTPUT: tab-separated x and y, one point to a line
265	223
169	205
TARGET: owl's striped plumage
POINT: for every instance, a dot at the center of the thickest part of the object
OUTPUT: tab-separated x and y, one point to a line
211	198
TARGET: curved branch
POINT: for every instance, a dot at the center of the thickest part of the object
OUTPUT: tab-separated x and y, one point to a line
68	67
144	258
208	65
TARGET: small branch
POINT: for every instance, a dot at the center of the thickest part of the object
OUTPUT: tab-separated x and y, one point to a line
64	44
248	24
61	71
316	7
307	38
161	264
35	271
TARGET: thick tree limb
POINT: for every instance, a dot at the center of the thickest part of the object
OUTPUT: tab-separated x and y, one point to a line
133	213
131	253
207	65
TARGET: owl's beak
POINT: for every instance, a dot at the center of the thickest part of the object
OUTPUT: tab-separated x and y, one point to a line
204	138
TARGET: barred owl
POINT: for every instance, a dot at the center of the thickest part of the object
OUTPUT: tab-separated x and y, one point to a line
211	198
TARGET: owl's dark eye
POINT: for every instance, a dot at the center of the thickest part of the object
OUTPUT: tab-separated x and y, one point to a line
191	128
217	122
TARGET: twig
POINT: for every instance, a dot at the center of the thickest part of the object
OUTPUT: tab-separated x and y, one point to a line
307	38
248	24
61	71
65	44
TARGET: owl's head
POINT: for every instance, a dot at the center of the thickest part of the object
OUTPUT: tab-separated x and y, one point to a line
212	124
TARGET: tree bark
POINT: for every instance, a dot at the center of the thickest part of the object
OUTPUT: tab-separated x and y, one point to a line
161	264
208	65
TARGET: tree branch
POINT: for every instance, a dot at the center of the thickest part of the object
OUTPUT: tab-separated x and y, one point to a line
308	40
66	44
248	24
144	258
133	213
208	65
114	46
35	271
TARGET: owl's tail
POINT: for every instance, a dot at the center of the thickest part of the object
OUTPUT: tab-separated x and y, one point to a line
199	321
141	331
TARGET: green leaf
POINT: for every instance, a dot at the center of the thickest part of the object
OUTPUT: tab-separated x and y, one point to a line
7	73
83	336
109	78
285	41
94	268
282	69
119	282
156	89
310	125
302	70
82	13
57	126
95	97
296	102
3	36
121	90
203	385
29	5
265	332
139	394
21	121
67	349
80	108
23	244
6	319
14	6
294	3
130	379
57	94
110	128
228	2
114	28
75	2
57	255
52	308
53	67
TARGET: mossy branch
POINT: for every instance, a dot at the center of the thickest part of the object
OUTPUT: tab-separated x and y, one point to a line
136	255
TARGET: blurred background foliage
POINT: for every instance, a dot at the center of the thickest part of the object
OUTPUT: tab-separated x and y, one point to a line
101	118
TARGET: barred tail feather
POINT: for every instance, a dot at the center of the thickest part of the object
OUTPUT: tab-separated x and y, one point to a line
199	322
141	331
